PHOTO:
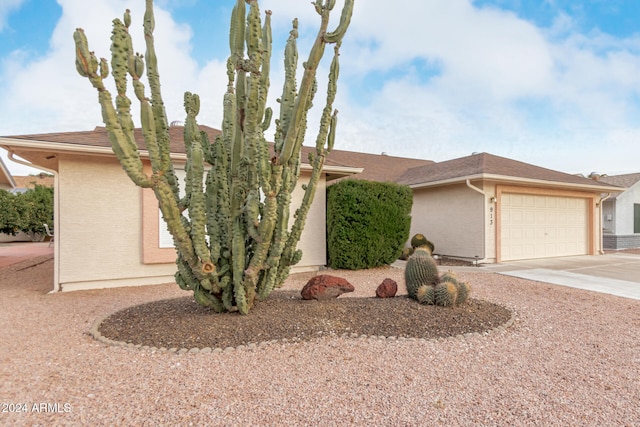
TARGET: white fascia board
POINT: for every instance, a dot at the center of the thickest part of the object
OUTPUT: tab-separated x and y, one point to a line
518	180
58	147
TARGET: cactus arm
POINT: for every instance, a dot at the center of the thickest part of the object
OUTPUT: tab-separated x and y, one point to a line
121	139
287	100
345	19
265	231
236	58
238	252
326	135
197	202
267	39
292	138
159	112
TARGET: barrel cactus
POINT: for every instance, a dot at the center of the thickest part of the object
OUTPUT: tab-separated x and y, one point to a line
426	294
463	288
406	253
421	270
427	287
463	292
236	244
419	240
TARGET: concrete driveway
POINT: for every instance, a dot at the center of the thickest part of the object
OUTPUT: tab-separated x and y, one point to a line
615	274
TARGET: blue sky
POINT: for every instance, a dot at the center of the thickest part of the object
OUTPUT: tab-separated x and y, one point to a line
555	83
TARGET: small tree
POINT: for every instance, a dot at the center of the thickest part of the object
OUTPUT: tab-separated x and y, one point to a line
37	209
10	221
26	212
235	245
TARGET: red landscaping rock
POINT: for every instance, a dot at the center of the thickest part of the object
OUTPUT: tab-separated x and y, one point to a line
387	289
324	287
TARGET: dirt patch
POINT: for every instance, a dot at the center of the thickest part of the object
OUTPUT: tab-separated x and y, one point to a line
182	323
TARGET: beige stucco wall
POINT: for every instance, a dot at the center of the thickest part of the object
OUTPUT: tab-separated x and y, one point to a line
452	218
100	223
314	237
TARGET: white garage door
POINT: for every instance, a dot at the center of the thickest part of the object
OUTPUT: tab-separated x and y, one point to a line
542	226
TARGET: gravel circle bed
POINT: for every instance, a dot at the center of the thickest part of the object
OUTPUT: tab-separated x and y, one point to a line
181	323
570	357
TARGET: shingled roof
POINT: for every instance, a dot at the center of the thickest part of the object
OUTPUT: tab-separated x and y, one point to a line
376	167
30	181
489	166
626	180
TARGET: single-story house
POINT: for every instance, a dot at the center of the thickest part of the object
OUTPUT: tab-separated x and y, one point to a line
29	182
621	213
492	209
109	232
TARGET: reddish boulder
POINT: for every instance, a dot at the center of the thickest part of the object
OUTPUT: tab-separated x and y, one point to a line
387	289
324	287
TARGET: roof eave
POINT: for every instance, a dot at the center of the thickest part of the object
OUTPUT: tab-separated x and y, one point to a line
58	147
520	181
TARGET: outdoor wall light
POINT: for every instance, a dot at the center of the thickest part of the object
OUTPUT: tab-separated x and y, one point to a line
493	199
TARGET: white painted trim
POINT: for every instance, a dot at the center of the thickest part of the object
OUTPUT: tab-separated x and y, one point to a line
519	180
35	145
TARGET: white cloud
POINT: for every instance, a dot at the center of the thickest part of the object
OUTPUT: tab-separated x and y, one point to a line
56	98
6	7
553	97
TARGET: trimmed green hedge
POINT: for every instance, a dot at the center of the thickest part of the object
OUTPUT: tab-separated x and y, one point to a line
367	223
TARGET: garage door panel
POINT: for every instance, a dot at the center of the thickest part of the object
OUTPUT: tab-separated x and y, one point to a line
534	226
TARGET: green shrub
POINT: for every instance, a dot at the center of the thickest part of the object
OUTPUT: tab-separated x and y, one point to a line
26	211
367	223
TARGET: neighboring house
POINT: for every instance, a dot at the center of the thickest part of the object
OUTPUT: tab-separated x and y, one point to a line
109	232
29	182
621	213
494	209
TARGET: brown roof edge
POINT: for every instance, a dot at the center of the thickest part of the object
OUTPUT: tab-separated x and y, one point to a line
489	166
375	167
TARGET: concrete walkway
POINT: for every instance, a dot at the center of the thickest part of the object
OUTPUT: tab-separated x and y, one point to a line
615	274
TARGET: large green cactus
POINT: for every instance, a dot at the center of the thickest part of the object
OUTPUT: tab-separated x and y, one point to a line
236	244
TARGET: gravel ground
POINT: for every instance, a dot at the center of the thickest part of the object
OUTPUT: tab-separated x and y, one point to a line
570	358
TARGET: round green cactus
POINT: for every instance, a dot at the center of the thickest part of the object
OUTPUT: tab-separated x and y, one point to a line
421	270
463	292
426	294
419	240
406	253
463	288
446	294
449	276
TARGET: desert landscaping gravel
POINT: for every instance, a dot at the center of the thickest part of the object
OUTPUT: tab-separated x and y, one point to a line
568	358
